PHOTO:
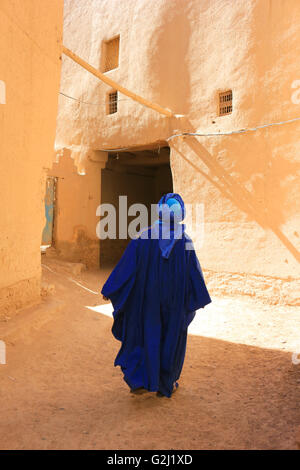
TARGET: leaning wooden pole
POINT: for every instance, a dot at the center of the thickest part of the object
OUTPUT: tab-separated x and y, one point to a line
114	84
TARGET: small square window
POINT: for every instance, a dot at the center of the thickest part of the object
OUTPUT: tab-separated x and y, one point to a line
110	59
112	102
225	103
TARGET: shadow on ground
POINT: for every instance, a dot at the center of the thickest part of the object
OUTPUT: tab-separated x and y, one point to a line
59	389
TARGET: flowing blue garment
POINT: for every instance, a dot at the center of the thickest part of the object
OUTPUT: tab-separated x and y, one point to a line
155	291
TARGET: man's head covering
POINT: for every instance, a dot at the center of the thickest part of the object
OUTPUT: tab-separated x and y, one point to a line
171	211
171	207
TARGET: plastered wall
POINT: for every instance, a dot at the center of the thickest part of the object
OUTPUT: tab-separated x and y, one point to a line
31	35
77	199
188	53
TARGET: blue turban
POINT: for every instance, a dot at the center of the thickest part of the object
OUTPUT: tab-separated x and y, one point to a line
171	211
171	207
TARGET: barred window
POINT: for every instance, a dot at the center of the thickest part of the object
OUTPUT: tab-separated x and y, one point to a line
112	103
225	103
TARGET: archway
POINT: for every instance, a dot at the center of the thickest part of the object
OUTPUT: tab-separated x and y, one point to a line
143	175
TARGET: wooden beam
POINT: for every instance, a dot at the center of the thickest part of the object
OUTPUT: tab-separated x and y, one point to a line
114	84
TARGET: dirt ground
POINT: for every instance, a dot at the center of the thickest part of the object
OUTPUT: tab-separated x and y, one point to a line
59	390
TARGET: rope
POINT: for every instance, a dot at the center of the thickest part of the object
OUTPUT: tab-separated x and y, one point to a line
93	104
240	131
195	134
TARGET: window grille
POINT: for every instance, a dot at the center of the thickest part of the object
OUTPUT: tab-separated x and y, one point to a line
112	102
225	103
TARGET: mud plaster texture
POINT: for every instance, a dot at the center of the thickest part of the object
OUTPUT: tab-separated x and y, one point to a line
30	66
248	183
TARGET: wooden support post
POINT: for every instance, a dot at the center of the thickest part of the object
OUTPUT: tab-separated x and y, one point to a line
114	84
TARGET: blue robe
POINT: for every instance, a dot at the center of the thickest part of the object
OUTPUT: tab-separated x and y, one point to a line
154	299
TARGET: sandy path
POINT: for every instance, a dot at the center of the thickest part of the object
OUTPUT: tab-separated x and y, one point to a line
59	389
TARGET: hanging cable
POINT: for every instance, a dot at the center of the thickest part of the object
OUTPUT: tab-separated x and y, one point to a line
240	131
184	134
93	104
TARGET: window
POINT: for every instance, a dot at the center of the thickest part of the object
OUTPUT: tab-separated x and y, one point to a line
225	103
110	54
112	102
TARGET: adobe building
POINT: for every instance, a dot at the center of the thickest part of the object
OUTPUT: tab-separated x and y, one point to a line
220	66
30	49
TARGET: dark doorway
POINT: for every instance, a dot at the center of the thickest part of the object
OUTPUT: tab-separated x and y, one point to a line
142	175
